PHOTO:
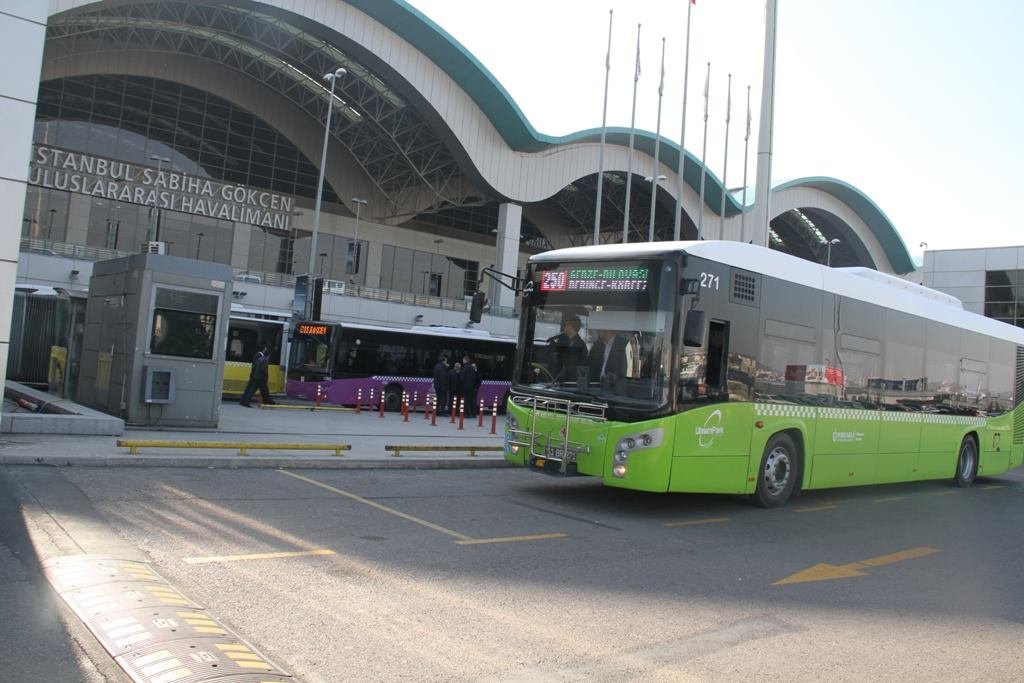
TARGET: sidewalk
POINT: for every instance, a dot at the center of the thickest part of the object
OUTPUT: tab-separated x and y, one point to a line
291	422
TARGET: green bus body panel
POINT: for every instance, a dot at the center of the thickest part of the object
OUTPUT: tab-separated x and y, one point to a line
717	448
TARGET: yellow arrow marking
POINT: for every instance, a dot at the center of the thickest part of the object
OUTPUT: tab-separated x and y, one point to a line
826	572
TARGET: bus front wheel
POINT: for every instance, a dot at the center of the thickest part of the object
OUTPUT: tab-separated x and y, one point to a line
967	463
776	477
393	397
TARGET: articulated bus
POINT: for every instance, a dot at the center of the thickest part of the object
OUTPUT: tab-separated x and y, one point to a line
248	330
333	362
757	373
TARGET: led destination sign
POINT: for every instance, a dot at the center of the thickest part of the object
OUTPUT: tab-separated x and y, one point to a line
313	329
596	279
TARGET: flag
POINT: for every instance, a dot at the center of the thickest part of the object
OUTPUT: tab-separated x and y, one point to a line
661	84
707	90
748	114
728	101
636	76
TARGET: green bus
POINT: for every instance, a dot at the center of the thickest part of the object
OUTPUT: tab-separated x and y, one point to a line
724	367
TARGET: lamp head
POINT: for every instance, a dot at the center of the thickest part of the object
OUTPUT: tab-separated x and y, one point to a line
337	73
834	241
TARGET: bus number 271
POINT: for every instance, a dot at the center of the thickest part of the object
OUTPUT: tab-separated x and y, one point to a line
709	281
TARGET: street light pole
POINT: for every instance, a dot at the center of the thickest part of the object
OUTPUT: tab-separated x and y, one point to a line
355	246
828	254
199	242
49	225
333	79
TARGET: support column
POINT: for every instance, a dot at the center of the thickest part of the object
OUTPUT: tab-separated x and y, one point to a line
24	26
510	219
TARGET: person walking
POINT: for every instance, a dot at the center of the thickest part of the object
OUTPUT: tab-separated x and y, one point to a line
469	382
441	382
258	376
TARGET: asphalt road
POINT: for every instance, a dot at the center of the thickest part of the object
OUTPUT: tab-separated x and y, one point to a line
509	575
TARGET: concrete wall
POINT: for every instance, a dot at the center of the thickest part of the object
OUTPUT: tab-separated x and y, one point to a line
23	27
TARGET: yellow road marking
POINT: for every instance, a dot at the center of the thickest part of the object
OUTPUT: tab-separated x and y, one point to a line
890	499
510	539
695	522
257	556
378	506
825	572
830	506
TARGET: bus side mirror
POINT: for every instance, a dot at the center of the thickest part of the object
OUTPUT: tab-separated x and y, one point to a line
693	328
476	307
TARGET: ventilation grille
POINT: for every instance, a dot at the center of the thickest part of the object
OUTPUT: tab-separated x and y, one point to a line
744	289
1018	399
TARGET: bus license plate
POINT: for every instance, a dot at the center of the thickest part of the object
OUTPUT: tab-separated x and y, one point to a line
557	453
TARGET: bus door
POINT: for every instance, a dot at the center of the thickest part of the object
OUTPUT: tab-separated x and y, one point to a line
716	374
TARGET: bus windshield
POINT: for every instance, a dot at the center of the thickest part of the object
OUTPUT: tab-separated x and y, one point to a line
311	350
601	331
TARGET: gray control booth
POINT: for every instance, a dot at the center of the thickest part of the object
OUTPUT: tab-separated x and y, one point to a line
153	349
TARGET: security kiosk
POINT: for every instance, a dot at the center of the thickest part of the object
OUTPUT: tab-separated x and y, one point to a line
153	349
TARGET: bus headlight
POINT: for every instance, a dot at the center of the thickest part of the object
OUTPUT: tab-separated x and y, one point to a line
621	457
619	471
512	422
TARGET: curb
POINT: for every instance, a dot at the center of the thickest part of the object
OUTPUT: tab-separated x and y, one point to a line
253	462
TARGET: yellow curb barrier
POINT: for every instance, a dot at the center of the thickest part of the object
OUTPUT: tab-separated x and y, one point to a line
279	406
396	450
133	445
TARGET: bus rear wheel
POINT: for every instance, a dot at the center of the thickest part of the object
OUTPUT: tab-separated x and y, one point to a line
967	463
776	477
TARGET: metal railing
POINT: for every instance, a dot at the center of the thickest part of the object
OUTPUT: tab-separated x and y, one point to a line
89	253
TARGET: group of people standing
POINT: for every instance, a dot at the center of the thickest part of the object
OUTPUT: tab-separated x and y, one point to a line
459	381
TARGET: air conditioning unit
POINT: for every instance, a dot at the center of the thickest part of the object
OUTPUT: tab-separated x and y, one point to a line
154	248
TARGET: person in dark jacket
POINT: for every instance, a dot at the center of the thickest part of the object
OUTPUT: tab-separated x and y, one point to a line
608	357
570	350
258	376
469	384
441	383
453	387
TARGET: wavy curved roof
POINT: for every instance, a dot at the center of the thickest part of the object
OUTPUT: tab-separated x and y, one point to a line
499	107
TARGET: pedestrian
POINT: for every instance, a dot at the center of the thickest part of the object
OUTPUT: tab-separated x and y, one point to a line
453	385
469	383
258	379
441	382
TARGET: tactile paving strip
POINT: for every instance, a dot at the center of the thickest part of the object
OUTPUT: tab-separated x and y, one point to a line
154	632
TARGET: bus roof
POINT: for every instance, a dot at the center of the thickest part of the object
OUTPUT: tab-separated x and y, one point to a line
862	284
432	331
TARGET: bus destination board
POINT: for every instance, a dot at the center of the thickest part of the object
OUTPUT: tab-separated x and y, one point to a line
596	279
314	329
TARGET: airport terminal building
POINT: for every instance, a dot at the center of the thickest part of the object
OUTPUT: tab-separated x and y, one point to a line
197	128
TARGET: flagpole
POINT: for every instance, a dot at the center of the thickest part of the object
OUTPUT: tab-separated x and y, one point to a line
725	163
677	228
657	142
604	131
703	157
632	131
746	155
762	188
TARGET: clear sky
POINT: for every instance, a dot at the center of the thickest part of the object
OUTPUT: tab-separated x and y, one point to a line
917	103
